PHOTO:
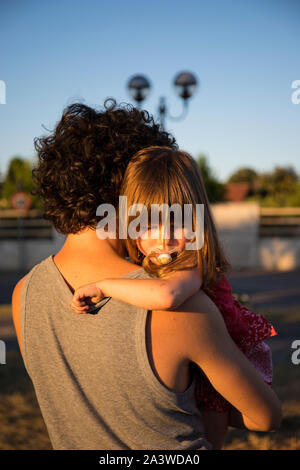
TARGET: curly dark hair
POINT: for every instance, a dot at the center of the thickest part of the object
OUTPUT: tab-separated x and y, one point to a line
81	164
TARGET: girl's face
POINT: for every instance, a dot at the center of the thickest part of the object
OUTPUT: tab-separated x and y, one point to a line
153	241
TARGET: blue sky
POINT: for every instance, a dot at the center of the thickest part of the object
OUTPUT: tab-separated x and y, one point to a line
244	52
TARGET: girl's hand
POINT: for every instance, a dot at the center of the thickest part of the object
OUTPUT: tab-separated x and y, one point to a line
85	296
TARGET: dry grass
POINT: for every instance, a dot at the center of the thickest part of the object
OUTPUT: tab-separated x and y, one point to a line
22	426
286	383
21	423
287	438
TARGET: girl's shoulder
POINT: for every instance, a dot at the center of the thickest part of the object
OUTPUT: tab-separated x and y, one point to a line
221	289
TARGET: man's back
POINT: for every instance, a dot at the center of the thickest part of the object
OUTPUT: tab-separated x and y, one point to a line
92	375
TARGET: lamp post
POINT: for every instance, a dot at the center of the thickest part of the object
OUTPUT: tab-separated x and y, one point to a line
185	84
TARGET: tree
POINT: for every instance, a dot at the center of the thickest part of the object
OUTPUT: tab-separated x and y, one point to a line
18	178
214	188
243	175
278	188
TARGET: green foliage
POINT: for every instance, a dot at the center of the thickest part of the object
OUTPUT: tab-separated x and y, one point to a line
243	175
18	178
277	188
214	188
293	199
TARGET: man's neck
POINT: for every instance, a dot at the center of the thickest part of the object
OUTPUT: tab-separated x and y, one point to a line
85	258
86	243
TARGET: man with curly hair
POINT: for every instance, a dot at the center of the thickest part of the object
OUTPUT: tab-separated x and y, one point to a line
108	380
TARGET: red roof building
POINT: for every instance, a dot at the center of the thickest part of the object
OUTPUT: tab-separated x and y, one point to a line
236	192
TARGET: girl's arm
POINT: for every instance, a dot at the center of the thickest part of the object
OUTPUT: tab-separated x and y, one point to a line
151	294
154	294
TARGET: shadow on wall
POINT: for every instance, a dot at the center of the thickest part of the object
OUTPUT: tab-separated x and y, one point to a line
279	254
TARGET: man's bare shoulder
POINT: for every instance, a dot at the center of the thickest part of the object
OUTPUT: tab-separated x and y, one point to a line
125	267
120	267
197	308
16	297
193	325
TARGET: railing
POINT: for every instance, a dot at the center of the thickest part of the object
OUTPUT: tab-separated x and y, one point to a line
279	222
28	226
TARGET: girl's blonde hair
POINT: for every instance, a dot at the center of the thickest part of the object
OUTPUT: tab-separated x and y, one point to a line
161	175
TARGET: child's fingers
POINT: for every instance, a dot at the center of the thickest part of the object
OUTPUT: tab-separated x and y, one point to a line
79	303
78	309
83	297
78	296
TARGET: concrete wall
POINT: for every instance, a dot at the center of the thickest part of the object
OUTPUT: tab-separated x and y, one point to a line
238	226
280	254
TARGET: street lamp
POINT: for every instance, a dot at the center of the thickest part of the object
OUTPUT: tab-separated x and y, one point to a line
185	84
139	88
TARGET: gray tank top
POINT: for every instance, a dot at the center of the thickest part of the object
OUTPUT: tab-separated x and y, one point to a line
92	376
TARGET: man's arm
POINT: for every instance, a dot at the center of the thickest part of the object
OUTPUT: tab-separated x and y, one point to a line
16	297
199	331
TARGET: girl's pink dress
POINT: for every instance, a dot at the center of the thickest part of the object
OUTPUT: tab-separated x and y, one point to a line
248	330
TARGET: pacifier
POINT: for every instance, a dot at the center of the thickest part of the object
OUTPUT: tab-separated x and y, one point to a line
163	256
